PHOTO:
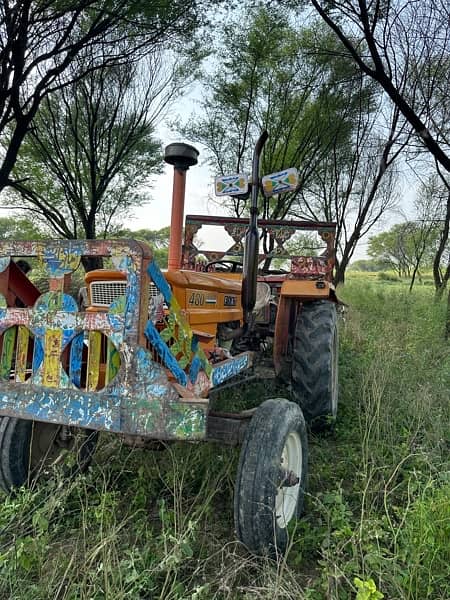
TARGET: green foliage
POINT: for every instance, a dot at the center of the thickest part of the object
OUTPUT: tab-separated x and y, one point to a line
367	590
383	276
367	265
92	149
405	246
158	240
101	33
271	76
16	228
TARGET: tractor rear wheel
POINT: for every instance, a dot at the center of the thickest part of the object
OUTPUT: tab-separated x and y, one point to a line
28	449
315	363
271	477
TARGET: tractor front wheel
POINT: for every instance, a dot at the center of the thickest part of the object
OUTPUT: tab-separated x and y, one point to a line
271	477
315	363
29	449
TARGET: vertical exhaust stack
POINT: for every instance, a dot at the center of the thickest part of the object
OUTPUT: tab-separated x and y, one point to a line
181	156
251	248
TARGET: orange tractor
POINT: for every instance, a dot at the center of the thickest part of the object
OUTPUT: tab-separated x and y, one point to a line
148	348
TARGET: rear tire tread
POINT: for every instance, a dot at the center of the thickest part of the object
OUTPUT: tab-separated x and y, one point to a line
312	365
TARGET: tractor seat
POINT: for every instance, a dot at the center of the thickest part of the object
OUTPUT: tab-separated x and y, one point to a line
263	295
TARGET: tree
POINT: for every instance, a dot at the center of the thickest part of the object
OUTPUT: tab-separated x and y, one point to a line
16	228
433	208
368	265
406	247
158	240
92	148
322	116
40	41
392	248
355	185
404	46
278	86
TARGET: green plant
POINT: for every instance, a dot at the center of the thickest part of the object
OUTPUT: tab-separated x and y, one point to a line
367	590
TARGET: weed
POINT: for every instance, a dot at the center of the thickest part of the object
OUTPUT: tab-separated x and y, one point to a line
159	525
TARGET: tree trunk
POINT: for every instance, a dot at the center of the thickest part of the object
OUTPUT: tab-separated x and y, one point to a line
90	263
339	276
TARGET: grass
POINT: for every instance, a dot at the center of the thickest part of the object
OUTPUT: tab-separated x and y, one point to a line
148	524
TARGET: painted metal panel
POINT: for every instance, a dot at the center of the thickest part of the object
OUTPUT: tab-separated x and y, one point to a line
75	358
112	362
9	339
93	364
23	338
52	365
138	396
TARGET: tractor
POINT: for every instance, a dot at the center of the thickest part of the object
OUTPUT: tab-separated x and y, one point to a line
143	350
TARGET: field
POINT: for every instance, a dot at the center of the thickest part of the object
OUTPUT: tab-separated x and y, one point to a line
158	524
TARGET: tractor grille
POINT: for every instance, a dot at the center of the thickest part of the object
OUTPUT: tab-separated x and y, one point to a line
103	293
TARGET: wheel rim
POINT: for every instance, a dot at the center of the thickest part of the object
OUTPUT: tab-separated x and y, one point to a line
287	496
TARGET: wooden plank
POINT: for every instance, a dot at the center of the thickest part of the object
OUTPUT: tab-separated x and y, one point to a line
9	338
112	362
75	359
23	338
51	372
93	367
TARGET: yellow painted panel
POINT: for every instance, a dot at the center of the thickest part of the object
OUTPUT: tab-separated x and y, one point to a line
52	360
93	366
23	338
306	288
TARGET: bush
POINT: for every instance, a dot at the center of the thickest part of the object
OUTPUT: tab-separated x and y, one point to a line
383	276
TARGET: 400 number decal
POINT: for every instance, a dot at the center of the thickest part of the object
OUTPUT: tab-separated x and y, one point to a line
196	299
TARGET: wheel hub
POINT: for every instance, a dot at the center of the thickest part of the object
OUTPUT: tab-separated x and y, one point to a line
289	480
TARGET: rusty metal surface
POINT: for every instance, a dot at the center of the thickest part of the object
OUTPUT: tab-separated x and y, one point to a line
281	337
98	370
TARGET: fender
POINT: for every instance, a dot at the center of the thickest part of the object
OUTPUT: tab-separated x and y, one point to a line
293	293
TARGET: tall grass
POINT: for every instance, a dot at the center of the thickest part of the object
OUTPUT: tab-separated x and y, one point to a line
144	524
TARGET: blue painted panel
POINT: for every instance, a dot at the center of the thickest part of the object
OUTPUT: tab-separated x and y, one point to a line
195	368
76	352
159	281
161	348
38	354
84	410
229	368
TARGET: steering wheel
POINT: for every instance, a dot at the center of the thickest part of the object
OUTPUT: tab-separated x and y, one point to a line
230	266
275	272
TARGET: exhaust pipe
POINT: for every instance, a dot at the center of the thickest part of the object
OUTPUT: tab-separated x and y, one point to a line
181	156
251	248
